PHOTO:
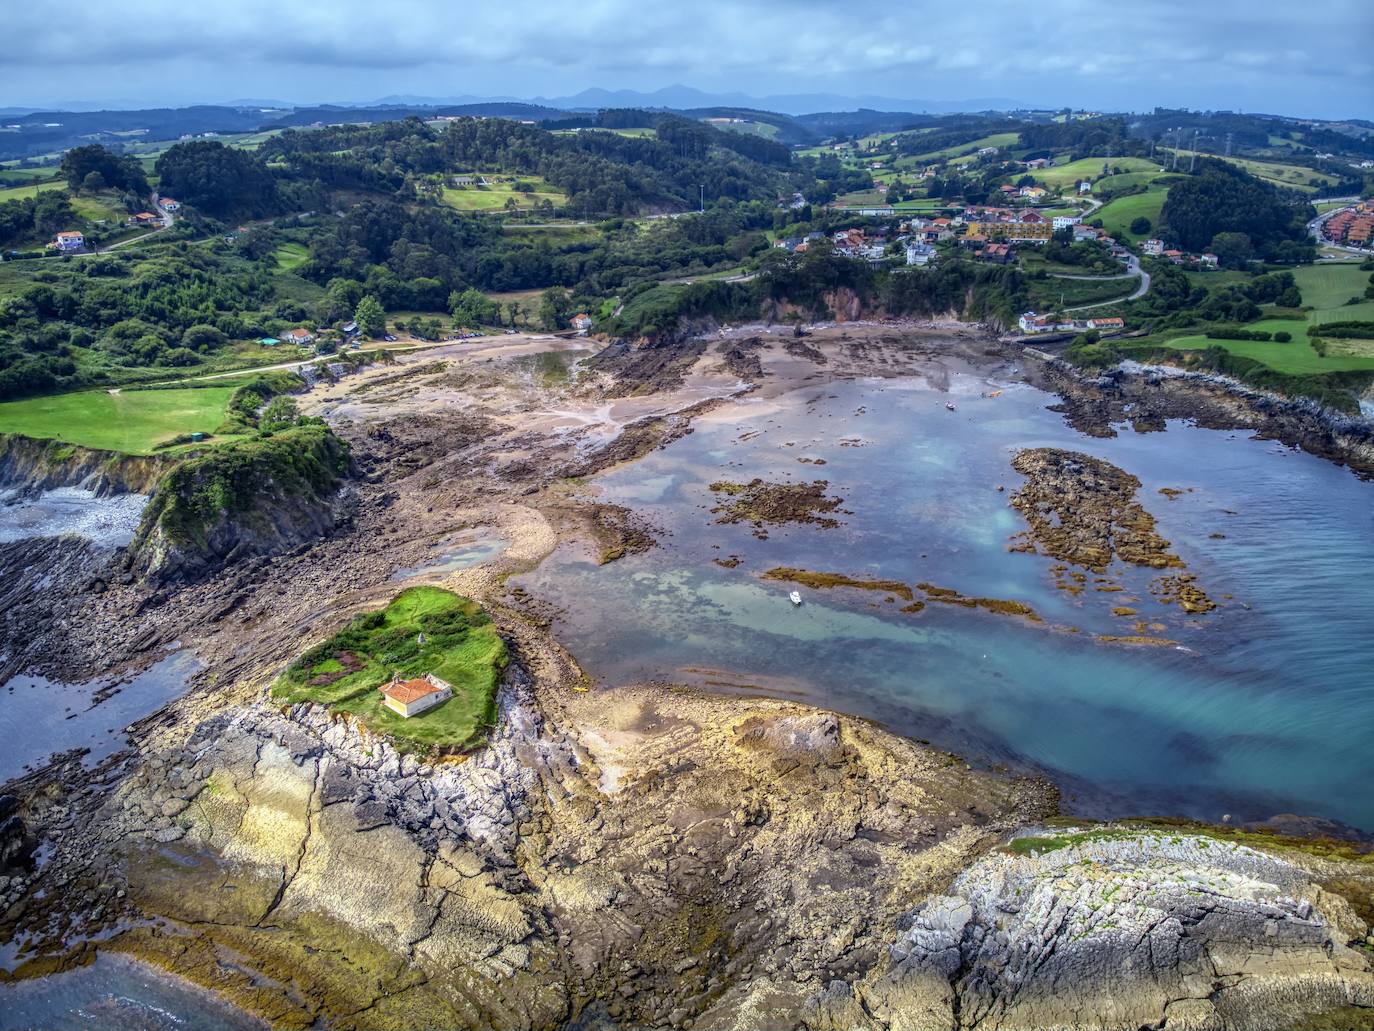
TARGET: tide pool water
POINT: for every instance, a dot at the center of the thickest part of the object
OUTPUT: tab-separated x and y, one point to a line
118	994
462	552
1264	706
39	717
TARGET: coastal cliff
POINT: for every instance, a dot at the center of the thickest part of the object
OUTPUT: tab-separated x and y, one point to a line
256	497
33	465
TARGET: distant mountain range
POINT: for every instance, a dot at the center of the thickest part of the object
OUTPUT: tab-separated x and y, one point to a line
677	97
683	97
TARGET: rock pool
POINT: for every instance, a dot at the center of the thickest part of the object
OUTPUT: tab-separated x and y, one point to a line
1264	706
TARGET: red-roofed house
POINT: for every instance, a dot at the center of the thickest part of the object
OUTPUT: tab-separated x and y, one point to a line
411	697
69	241
298	336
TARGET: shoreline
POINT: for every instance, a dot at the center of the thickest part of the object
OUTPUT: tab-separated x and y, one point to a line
571	768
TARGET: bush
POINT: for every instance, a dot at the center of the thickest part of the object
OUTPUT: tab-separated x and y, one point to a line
1238	334
1283	336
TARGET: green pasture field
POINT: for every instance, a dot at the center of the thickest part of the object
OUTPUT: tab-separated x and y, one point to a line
131	421
1118	215
423	630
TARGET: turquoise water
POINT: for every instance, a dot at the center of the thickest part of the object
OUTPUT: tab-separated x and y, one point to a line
1264	706
119	994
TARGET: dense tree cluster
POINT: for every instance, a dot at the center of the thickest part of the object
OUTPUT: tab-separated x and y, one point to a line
218	180
94	168
163	311
30	219
1222	198
601	172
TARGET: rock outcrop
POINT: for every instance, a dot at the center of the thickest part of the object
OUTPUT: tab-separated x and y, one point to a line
257	497
675	857
1123	930
32	465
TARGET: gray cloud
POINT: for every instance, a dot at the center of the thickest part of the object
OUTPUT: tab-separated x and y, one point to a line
1259	54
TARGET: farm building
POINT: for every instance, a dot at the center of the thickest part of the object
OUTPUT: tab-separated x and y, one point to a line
411	697
298	336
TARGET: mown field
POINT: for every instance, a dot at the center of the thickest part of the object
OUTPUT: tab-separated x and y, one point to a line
291	256
1118	215
459	645
1292	176
24	191
493	197
1325	289
999	139
132	421
1090	168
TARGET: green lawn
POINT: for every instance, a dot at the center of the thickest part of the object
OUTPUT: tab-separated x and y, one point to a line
460	645
1117	215
493	197
24	175
999	139
131	421
1293	176
291	256
24	192
1327	287
1090	168
1324	288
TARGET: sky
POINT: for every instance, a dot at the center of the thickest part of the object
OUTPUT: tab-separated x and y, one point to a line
1312	58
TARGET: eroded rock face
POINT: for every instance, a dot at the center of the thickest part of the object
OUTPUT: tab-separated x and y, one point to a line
1132	931
675	856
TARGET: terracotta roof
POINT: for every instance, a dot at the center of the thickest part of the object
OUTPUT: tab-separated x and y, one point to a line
407	691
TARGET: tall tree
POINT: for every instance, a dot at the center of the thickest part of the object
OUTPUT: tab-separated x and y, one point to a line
371	317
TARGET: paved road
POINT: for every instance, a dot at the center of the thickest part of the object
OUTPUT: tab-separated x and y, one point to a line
1134	266
167	221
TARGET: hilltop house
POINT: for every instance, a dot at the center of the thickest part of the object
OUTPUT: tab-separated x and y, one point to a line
919	254
145	218
168	204
997	253
1085	186
299	336
1064	221
581	322
68	241
411	697
1153	247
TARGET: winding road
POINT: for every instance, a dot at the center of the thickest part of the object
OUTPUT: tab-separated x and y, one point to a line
1133	269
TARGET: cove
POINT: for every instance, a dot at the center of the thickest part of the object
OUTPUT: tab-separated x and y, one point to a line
1263	707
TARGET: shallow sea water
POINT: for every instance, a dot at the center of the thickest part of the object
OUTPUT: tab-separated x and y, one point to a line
1265	706
119	994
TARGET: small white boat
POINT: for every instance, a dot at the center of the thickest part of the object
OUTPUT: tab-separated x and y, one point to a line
949	405
796	597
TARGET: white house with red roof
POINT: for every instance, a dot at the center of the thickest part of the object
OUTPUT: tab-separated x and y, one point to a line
416	695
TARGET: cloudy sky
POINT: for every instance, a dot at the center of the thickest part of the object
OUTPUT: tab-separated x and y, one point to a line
1308	58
